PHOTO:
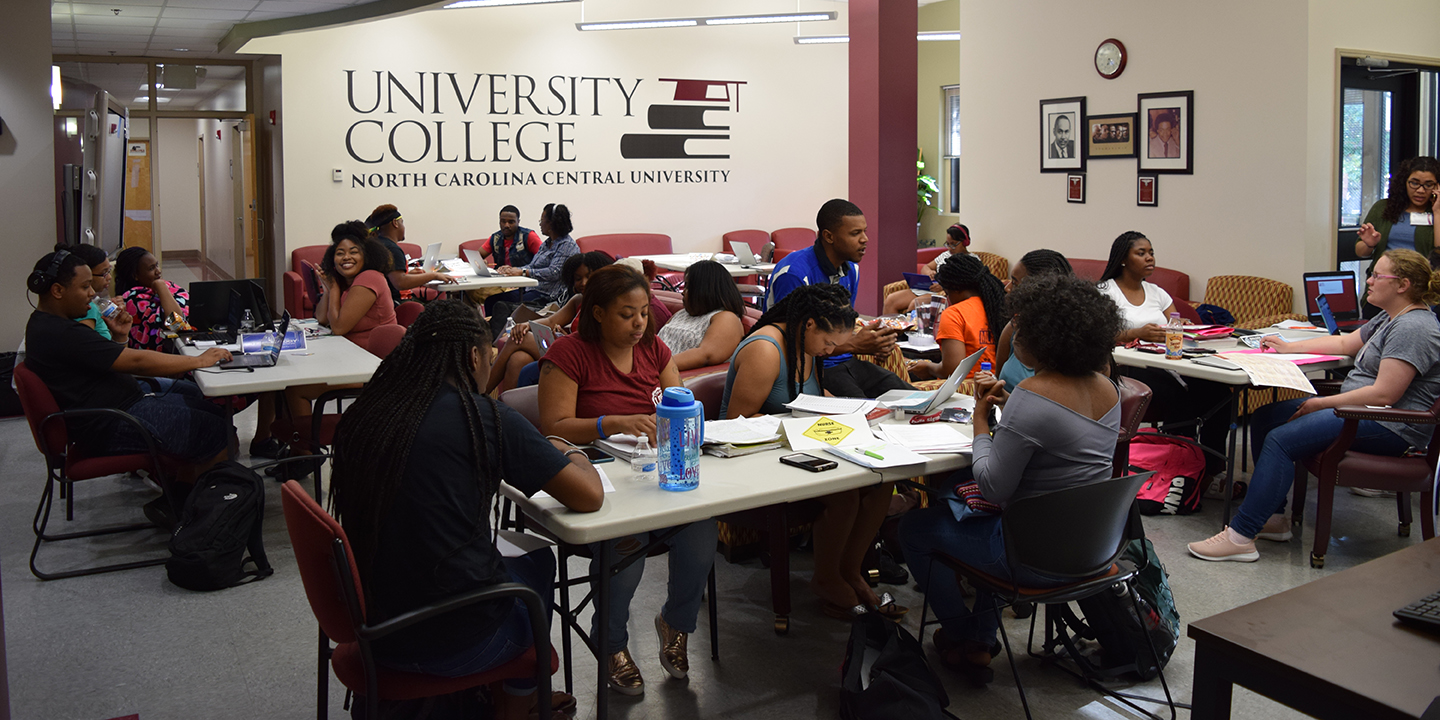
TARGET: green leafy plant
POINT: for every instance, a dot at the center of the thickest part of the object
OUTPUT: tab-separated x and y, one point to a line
925	187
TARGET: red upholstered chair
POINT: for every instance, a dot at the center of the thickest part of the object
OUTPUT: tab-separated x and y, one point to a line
710	391
756	239
298	300
319	433
526	401
65	466
1171	281
792	239
415	252
473	245
385	338
406	313
1134	400
332	585
923	256
627	244
1341	466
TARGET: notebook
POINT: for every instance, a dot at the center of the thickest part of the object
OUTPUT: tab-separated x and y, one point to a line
919	282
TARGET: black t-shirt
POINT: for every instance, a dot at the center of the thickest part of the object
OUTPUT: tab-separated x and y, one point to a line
74	362
397	262
435	541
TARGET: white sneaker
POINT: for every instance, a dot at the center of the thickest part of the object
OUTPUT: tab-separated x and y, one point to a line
1221	548
1277	529
1367	492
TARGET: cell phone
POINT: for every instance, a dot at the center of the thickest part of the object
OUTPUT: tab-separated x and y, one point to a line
597	455
808	462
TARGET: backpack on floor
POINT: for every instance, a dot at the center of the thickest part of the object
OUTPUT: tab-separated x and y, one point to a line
885	675
219	524
1153	585
1175	488
1110	620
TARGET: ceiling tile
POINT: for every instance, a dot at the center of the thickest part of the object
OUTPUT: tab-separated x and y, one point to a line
116	32
111	3
241	5
174	26
194	14
126	10
111	21
294	7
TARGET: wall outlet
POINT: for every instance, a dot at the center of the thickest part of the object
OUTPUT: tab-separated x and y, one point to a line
337	175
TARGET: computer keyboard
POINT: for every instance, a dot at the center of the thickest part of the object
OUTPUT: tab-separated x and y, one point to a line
1423	613
215	337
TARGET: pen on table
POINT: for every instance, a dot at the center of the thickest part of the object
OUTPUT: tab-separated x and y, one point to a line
870	453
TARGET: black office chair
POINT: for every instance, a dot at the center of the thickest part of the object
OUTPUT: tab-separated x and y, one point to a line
1076	533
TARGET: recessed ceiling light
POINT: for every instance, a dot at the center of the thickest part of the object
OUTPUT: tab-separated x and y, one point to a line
637	24
180	49
146	100
821	39
771	18
493	3
938	36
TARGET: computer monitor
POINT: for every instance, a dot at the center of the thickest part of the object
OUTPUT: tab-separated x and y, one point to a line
210	303
1339	289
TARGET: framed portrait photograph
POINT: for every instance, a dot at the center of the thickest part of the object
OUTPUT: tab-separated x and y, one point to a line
1061	150
1110	136
1075	188
1167	121
1147	190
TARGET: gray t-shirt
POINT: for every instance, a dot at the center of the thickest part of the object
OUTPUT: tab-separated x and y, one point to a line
1414	338
1042	446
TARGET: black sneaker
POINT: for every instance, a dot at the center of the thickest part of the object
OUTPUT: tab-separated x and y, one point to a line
158	511
269	448
883	569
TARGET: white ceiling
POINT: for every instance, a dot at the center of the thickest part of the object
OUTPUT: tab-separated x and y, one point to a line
156	28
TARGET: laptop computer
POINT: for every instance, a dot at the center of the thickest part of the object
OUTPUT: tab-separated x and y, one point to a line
743	254
921	403
261	359
477	262
431	252
1341	291
544	336
217	306
1326	316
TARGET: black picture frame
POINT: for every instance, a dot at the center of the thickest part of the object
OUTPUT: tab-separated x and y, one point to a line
1110	136
1054	155
1147	190
1158	153
1075	188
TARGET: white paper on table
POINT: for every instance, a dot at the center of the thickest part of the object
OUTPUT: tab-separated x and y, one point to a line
513	544
890	455
1267	370
605	485
827	431
1294	325
822	405
458	267
742	431
927	438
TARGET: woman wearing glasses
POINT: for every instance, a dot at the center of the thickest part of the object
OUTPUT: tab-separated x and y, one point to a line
1405	220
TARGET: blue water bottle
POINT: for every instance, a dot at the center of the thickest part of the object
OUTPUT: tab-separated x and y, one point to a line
680	428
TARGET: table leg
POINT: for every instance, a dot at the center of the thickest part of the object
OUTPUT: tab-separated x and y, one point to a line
1210	689
602	630
1237	396
778	535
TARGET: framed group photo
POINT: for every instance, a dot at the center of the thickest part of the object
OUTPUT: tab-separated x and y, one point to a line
1167	121
1110	136
1061	148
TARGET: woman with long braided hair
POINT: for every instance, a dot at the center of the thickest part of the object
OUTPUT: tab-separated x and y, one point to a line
418	461
1013	368
971	323
771	367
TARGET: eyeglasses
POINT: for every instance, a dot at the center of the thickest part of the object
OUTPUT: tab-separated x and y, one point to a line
1416	185
1382	277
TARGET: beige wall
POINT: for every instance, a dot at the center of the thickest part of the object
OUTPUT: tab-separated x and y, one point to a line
939	65
1246	63
27	156
788	137
177	178
219	194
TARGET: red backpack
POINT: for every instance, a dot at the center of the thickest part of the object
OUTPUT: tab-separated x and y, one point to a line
1179	466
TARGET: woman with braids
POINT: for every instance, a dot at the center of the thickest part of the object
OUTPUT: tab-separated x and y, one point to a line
1036	262
1397	364
1058	431
513	367
1146	309
977	308
418	460
148	298
774	365
1405	219
604	380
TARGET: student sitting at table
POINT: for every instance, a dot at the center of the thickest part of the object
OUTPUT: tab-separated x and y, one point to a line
1146	309
977	307
148	298
957	242
605	380
83	370
520	350
510	247
419	458
388	228
707	330
1397	364
773	366
1036	262
99	264
1059	430
556	226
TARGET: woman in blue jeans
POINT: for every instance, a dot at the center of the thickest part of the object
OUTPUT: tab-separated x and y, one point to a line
1059	431
1397	364
418	461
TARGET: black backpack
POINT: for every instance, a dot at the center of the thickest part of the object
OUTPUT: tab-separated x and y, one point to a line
220	522
885	675
1111	621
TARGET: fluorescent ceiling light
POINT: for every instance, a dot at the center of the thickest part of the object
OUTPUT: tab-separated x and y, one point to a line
770	18
146	100
938	36
821	39
55	89
493	3
637	24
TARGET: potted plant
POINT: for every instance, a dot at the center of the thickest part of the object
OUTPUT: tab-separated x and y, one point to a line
925	188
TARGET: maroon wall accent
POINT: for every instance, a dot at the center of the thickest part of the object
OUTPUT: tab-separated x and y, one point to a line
883	59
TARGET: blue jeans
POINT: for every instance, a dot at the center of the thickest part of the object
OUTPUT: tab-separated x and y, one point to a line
692	553
1280	444
529	375
535	570
978	542
185	424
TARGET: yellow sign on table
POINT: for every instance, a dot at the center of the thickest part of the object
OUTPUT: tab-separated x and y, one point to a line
828	431
817	433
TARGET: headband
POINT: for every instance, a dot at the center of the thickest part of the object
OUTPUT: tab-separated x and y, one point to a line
379	220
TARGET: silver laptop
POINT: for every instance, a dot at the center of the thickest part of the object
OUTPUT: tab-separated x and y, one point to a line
269	359
743	254
477	261
428	262
947	390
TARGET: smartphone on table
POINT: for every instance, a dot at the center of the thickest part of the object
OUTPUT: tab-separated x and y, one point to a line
597	455
808	462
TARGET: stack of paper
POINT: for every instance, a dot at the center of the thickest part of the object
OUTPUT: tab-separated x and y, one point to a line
929	438
620	445
821	405
741	436
1294	325
887	455
457	267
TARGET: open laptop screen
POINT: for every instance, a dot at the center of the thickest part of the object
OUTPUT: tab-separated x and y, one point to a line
1339	291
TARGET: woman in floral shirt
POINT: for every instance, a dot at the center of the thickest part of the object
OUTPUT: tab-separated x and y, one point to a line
148	297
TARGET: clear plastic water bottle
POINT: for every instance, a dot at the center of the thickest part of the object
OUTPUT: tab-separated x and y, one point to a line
247	322
108	309
1174	338
680	426
270	342
509	325
643	461
985	366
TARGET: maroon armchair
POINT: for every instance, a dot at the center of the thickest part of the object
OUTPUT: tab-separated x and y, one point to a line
627	244
788	240
756	239
675	302
1341	466
1134	400
298	299
332	585
923	256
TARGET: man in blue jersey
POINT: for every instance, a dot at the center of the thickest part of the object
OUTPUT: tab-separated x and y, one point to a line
835	258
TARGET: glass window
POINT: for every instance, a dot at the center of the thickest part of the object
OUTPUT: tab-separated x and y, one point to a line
950	140
1364	152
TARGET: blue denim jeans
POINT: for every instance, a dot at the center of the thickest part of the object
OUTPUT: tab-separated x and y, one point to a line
692	553
185	424
535	570
529	375
1280	442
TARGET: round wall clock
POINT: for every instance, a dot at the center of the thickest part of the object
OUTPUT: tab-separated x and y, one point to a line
1110	59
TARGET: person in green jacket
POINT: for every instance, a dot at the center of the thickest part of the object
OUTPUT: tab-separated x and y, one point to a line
1405	220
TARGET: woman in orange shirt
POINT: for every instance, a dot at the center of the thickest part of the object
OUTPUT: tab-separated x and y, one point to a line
977	304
